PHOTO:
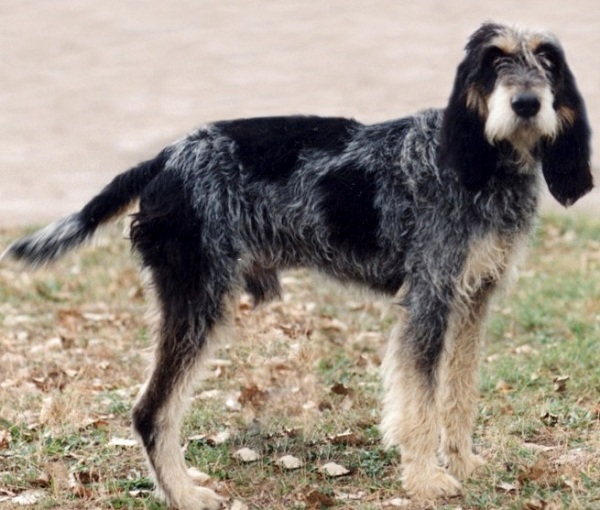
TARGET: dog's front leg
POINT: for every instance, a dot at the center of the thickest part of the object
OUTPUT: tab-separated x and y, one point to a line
411	414
459	385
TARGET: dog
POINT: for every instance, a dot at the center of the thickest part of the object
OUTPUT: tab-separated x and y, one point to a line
432	210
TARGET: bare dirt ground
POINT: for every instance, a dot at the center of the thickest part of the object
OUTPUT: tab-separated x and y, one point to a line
88	88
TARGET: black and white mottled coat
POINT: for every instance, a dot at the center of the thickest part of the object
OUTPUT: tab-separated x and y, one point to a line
432	208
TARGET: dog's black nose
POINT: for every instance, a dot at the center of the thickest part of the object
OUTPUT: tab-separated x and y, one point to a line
525	104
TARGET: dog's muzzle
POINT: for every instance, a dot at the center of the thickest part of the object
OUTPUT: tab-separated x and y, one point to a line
526	104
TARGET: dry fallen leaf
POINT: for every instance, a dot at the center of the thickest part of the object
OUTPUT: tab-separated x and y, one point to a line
397	502
210	394
56	379
139	492
122	442
290	462
549	419
81	492
218	363
345	496
247	455
5	493
218	438
30	497
540	504
527	350
332	469
253	395
219	367
293	432
85	477
52	344
93	423
503	387
540	472
340	389
347	437
560	383
289	330
98	317
336	325
534	504
506	487
538	447
232	402
238	505
317	499
5	438
43	480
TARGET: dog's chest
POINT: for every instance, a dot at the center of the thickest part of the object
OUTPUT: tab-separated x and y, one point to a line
490	259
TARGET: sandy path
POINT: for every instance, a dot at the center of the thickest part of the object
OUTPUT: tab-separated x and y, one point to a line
88	88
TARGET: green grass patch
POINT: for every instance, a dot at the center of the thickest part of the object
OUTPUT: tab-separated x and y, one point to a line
301	379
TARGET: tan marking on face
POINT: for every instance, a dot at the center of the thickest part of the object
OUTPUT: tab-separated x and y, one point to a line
534	41
515	41
475	101
506	42
566	116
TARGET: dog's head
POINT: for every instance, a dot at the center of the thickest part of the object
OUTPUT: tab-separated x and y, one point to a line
514	88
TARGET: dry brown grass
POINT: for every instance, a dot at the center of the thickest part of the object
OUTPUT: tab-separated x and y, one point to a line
300	379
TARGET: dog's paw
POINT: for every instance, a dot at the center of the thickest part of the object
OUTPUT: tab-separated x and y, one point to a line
427	484
462	466
198	477
207	499
199	498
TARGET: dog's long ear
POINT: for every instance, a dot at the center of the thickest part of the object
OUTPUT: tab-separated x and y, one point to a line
566	158
463	145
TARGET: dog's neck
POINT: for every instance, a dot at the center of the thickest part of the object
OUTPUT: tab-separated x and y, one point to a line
518	158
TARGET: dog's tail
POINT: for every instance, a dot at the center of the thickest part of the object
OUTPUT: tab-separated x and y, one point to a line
52	242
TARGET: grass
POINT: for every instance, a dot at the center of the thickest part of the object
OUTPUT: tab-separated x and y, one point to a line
301	379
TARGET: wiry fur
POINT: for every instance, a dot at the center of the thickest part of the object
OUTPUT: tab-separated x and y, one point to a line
432	208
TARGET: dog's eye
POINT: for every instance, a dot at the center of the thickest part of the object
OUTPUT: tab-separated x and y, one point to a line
548	57
547	61
493	57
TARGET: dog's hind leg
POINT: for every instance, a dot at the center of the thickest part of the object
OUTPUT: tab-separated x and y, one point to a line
184	339
193	291
411	413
